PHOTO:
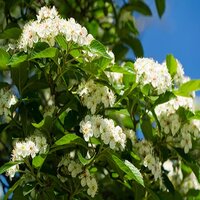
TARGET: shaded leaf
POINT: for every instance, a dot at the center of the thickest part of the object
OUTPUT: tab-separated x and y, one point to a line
11	33
138	6
160	5
4	59
135	45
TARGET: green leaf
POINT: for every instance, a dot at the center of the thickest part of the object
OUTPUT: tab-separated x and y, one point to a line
47	53
38	161
188	87
130	170
135	45
8	165
83	160
121	69
160	5
138	6
67	139
171	65
4	59
98	48
146	127
14	187
164	98
11	33
46	123
17	59
136	175
61	42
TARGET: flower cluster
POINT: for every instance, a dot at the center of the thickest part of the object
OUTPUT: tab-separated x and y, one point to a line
156	75
71	166
30	147
105	129
181	182
7	100
172	124
68	166
49	25
150	160
93	94
88	180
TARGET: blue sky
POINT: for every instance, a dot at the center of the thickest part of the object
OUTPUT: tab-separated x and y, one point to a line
178	32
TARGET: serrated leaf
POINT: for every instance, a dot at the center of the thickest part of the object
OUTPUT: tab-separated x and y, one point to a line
137	176
129	169
4	59
8	165
38	161
98	48
160	5
47	53
171	65
188	87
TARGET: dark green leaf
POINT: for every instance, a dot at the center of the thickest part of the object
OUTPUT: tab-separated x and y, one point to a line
187	88
138	6
4	59
160	5
14	187
135	45
146	127
171	65
11	33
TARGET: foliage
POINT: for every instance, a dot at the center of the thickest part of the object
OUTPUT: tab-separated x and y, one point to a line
83	126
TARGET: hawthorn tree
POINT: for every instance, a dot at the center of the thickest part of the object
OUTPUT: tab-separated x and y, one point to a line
78	124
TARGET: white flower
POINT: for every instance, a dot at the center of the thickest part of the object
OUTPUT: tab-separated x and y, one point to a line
74	168
22	149
32	148
49	25
150	72
11	171
93	94
86	129
92	187
186	142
